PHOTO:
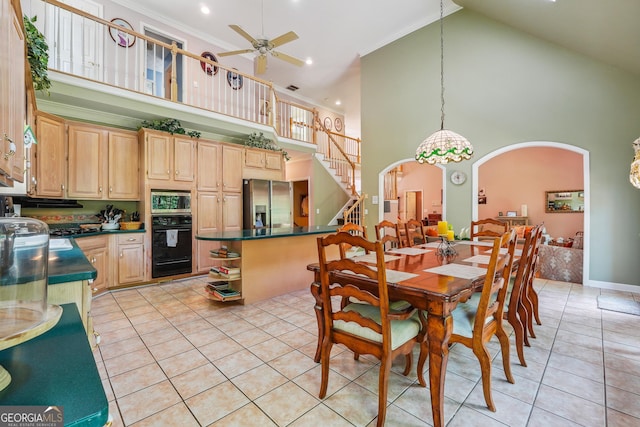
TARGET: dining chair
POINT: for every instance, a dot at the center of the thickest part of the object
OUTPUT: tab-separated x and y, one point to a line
369	326
515	311
387	231
530	296
355	229
478	319
414	232
488	228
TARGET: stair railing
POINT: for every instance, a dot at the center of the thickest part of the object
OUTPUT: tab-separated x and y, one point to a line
355	213
331	146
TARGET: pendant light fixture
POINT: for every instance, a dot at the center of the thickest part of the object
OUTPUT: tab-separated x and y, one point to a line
443	146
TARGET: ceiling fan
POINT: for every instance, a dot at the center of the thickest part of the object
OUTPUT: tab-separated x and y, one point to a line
262	46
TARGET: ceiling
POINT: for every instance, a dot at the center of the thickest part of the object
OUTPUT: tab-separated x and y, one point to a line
335	33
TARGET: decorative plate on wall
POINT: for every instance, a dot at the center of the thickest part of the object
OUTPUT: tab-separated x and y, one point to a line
327	123
123	39
234	80
211	70
338	124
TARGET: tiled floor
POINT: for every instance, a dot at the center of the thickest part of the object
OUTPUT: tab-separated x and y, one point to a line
169	357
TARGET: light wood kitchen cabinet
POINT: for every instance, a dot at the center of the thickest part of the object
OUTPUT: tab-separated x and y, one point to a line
169	158
231	169
103	164
50	157
12	94
209	166
263	164
96	249
130	262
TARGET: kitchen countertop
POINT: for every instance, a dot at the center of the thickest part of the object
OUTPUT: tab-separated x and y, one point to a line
57	368
266	233
69	265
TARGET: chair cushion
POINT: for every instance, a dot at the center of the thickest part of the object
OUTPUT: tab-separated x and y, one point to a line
464	315
401	330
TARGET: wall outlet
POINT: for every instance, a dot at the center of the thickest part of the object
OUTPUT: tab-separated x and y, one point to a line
317	211
195	83
366	211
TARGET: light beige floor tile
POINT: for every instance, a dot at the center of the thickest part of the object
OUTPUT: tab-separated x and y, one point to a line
278	327
109	317
128	361
297	338
523	389
197	380
247	416
259	381
623	350
150	325
167	349
205	336
397	383
509	410
148	401
118	348
270	349
575	366
619	419
541	418
292	364
176	415
467	417
286	403
138	309
588	355
236	328
216	403
110	336
137	379
238	363
311	381
252	337
321	416
161	336
623	401
219	349
114	414
182	362
344	364
574	384
569	406
261	319
622	363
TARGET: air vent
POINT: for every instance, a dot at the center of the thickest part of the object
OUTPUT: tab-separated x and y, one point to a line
293	88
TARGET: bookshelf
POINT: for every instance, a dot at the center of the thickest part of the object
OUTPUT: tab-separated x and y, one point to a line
226	284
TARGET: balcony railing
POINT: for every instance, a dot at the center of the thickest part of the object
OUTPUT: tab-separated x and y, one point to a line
112	53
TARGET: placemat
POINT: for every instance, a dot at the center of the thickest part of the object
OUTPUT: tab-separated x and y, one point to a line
372	258
410	251
458	270
474	243
480	259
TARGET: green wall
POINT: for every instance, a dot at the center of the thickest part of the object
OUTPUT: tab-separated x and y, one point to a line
503	87
328	196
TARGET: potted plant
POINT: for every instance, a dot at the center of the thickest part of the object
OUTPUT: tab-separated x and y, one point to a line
258	140
37	55
172	126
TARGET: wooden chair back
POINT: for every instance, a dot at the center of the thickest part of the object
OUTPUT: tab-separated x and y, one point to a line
487	313
363	327
488	228
387	231
414	233
354	229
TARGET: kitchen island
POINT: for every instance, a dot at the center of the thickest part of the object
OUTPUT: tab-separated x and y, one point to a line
272	261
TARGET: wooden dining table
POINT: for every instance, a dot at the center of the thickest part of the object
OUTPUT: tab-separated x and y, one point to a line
437	293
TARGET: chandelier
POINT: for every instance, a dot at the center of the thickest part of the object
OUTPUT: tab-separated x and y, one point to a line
634	173
443	146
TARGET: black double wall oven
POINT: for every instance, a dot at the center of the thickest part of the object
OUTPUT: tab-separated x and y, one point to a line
172	233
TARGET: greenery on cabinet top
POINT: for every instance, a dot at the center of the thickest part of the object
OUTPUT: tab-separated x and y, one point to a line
173	126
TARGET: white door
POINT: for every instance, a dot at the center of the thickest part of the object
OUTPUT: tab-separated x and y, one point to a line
75	42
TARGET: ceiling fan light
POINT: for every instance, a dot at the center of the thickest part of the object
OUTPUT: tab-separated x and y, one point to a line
444	146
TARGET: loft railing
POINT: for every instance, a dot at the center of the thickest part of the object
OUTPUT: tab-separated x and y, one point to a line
355	213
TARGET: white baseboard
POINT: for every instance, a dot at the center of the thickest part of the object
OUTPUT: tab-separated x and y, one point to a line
613	286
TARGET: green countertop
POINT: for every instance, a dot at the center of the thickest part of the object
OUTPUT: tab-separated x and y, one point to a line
57	368
69	265
266	233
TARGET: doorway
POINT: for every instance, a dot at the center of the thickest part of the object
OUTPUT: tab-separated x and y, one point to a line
413	205
158	72
301	203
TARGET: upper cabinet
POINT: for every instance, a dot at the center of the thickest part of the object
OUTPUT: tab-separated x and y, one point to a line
263	164
12	94
50	158
169	158
103	163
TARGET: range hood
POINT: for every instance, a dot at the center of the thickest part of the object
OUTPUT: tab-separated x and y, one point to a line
31	202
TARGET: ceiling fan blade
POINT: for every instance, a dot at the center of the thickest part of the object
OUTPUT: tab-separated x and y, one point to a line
235	52
260	64
243	33
288	58
285	38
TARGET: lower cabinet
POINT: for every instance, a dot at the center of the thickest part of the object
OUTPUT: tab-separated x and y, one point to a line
96	249
80	293
130	263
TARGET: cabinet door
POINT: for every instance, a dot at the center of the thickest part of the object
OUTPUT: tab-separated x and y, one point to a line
231	169
231	211
208	166
50	158
184	162
17	96
159	156
273	160
124	181
96	249
208	212
253	158
87	162
130	263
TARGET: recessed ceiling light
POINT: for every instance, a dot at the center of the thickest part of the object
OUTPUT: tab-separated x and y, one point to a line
309	61
204	9
338	102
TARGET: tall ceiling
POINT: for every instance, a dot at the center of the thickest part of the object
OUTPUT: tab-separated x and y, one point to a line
335	33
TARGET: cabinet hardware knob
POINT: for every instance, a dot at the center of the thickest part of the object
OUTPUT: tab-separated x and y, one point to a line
121	255
95	289
131	239
100	189
177	172
110	189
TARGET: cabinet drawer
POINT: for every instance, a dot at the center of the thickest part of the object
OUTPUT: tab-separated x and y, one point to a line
95	242
130	238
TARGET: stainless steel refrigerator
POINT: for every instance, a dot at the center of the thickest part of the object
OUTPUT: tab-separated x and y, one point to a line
267	204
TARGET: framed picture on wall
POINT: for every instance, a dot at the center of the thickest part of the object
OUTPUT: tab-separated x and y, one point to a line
123	38
512	213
